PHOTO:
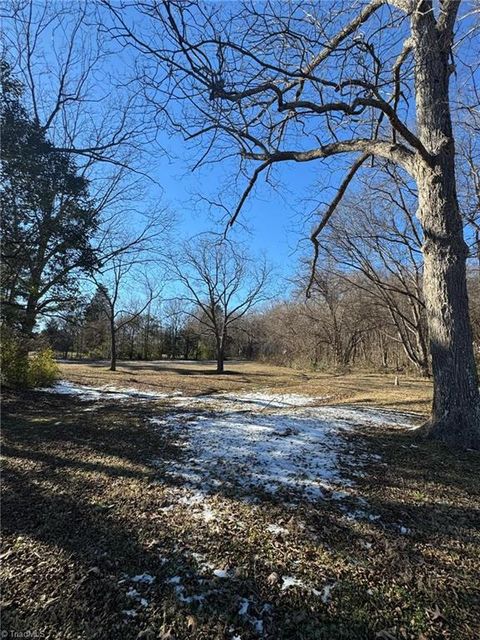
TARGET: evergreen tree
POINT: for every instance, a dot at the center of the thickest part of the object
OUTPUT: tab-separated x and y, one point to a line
48	218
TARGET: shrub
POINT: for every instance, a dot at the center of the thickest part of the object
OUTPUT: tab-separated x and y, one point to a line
18	370
14	362
42	369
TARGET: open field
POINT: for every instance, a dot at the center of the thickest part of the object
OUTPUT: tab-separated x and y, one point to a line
239	515
369	389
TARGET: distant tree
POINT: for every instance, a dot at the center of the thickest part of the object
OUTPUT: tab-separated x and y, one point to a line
221	284
119	276
339	315
60	335
95	326
378	237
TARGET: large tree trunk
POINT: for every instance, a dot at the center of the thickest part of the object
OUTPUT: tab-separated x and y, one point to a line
456	404
30	318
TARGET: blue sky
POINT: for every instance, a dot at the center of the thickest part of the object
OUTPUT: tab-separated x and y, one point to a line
272	220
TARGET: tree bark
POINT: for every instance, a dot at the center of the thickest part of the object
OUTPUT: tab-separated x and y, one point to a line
456	404
220	355
113	346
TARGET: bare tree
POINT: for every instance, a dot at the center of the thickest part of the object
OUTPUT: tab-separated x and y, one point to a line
377	235
221	285
64	63
69	149
285	82
339	315
120	276
129	255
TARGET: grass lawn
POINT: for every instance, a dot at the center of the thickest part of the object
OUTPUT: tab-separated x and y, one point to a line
101	540
370	389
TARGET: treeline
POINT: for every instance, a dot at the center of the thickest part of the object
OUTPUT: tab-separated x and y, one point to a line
341	327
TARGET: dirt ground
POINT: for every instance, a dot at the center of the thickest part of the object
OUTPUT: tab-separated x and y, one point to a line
369	389
101	542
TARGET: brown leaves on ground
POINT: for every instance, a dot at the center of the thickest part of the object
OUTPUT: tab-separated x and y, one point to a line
100	543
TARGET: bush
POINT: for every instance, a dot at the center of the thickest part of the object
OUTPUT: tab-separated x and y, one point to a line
18	370
42	369
14	362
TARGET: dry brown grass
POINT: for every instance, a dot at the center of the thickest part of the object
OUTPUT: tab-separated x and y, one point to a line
369	389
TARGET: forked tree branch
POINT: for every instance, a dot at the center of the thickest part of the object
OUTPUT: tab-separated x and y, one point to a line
328	214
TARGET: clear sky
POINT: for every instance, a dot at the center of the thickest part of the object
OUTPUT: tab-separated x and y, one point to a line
274	221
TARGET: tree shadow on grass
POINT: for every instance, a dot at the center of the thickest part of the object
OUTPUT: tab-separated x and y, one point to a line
74	565
82	513
80	519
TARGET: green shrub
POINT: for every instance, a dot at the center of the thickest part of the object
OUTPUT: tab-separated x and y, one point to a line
14	362
19	370
42	369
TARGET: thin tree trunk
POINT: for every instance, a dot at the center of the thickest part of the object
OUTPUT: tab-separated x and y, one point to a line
30	319
146	343
113	346
456	404
220	355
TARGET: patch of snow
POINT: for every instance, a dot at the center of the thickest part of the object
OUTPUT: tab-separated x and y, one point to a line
130	613
271	400
358	514
83	392
174	580
166	509
276	529
244	604
221	573
339	495
257	625
134	594
287	445
278	443
192	499
326	592
208	515
290	581
179	592
300	453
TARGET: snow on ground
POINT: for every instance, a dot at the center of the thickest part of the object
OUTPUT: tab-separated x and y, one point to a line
273	452
220	400
298	451
276	443
269	399
83	392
